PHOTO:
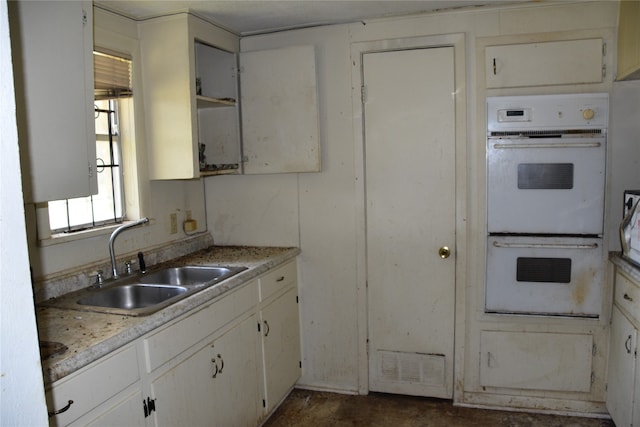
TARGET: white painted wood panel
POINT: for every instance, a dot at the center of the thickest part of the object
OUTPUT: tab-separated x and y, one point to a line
280	111
410	202
543	64
536	361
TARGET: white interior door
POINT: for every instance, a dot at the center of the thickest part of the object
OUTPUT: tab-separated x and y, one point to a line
410	215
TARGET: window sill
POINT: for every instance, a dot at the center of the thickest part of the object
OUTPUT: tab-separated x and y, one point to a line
60	238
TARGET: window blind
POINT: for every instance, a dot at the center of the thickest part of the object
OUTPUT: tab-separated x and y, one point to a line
112	76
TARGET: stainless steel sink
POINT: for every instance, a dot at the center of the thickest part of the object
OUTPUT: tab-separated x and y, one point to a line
188	275
143	294
132	296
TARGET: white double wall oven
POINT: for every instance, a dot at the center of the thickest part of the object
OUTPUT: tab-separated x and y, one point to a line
546	160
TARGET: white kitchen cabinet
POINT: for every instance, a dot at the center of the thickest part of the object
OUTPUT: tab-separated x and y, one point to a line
623	385
52	45
544	64
190	73
280	331
94	392
536	361
217	386
174	50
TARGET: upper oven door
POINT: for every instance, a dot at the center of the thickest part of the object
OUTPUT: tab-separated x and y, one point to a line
548	185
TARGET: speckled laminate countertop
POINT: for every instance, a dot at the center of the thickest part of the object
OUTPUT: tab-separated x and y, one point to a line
629	269
89	335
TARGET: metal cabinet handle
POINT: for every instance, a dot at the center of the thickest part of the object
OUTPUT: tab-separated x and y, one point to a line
215	365
280	279
266	328
221	363
627	297
60	411
627	344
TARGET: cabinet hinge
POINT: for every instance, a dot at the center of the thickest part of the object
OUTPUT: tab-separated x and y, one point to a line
84	17
604	70
90	170
300	363
604	49
258	326
594	350
264	403
297	299
363	94
593	377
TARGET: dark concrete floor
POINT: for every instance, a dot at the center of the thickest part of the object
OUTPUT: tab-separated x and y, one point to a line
320	409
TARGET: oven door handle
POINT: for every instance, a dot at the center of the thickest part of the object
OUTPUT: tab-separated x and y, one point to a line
545	245
499	146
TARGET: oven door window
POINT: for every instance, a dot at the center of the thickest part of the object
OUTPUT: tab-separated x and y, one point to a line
545	176
543	270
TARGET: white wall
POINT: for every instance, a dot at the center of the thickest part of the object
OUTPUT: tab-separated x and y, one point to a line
21	389
328	215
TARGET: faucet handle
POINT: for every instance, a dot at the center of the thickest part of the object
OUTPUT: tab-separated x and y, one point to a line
127	266
99	278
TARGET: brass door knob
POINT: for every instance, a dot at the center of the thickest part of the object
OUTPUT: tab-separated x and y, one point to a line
444	252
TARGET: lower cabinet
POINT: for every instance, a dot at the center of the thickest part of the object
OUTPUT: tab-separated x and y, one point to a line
281	347
623	384
227	364
217	386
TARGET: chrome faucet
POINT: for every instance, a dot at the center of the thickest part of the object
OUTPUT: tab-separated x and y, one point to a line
112	240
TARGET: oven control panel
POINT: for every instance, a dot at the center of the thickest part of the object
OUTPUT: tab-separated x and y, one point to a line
548	112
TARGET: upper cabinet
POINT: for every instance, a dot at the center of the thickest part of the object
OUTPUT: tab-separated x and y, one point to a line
544	64
192	84
176	52
52	45
629	40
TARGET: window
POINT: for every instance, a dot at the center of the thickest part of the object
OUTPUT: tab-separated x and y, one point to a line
112	91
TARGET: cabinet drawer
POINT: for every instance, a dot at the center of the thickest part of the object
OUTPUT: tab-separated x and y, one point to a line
174	339
627	297
92	385
277	279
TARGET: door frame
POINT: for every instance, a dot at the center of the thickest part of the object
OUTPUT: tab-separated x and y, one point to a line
358	49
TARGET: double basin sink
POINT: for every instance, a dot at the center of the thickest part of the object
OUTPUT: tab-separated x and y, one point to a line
143	294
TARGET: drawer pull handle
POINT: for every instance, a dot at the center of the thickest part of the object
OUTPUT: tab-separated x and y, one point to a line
627	297
280	279
627	344
60	411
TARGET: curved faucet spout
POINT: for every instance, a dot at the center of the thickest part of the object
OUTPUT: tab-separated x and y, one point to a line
112	240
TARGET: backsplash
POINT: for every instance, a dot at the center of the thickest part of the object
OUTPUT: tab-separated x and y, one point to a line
72	280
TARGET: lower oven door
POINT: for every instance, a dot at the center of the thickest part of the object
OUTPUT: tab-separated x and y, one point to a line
560	276
546	185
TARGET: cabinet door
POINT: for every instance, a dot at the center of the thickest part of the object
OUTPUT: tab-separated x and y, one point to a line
52	43
280	111
216	386
542	64
536	361
281	346
629	41
620	379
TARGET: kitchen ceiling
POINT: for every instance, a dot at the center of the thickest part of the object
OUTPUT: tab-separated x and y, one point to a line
250	17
